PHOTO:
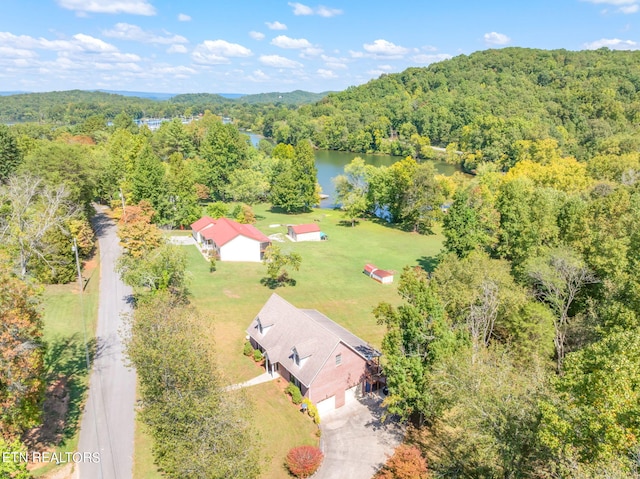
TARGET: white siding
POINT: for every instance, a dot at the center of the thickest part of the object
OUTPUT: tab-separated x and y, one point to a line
313	236
353	393
240	248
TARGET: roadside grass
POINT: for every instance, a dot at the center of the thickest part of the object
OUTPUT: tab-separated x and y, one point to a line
63	312
330	280
143	463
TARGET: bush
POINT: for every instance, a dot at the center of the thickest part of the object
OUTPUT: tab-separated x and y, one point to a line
212	263
303	461
312	410
407	462
248	349
294	391
257	355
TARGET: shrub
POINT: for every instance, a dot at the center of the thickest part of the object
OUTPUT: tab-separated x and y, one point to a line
248	349
212	263
312	410
407	462
303	461
257	355
294	391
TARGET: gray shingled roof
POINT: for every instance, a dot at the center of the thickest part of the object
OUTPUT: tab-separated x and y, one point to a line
314	336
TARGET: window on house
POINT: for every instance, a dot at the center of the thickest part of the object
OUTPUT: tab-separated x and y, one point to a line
338	359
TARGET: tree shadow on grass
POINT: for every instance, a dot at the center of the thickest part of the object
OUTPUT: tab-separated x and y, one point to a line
428	263
277	283
66	358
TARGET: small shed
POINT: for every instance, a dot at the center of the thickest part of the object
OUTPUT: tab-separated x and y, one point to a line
306	232
379	275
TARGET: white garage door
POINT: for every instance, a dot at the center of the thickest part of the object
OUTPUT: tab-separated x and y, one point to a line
353	393
326	406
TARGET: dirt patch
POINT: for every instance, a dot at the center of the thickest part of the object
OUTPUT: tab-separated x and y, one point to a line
89	266
47	436
230	294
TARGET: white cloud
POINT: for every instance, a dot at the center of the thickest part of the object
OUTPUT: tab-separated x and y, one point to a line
257	35
259	76
385	48
321	10
311	52
429	48
624	6
177	49
88	43
284	41
277	61
275	25
326	73
495	38
430	58
183	17
334	62
629	9
133	7
613	44
11	52
126	31
214	52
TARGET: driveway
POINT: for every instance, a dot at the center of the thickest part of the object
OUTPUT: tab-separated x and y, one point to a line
108	419
354	441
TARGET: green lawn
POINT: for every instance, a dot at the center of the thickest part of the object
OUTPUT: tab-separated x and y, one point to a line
330	280
63	311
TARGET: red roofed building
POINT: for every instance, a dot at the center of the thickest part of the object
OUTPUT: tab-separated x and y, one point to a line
380	275
230	240
307	232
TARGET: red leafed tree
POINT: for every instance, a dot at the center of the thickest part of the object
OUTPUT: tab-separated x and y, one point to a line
303	461
407	462
21	355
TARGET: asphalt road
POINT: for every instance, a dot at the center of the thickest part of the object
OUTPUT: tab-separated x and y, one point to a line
108	419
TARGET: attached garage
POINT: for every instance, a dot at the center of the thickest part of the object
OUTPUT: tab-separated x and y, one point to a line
326	406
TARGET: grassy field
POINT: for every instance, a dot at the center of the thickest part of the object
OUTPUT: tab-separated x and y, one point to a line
63	312
330	280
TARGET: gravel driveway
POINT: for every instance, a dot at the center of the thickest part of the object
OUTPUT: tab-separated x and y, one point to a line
354	441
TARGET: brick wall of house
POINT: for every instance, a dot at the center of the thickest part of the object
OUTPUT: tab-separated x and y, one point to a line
334	379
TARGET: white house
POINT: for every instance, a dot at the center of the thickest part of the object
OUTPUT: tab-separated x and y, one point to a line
199	226
229	240
306	232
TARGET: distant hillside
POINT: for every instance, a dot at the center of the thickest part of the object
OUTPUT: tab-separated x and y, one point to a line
588	101
297	97
141	94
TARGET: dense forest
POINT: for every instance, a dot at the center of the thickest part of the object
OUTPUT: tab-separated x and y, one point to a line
517	355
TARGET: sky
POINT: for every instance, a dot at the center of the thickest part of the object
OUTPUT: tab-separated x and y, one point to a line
256	46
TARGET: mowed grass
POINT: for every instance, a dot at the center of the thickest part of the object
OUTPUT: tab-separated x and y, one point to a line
63	310
330	280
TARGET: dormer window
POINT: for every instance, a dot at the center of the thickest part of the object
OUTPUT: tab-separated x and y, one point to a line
260	326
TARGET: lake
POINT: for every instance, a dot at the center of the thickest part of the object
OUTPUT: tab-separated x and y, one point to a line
331	164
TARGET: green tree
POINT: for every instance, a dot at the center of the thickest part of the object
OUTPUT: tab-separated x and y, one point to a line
598	404
278	264
21	355
10	154
186	408
148	179
418	335
352	189
14	469
160	269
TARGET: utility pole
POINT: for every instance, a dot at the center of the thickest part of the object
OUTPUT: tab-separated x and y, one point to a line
124	212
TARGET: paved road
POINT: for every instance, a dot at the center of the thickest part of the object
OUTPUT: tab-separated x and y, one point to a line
108	420
354	441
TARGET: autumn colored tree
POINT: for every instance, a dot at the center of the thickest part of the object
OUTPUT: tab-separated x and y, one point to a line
21	355
406	462
137	234
303	461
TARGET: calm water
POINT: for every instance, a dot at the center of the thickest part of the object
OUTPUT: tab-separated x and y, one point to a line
331	164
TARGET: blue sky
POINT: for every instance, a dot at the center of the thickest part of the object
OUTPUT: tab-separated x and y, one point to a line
253	46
